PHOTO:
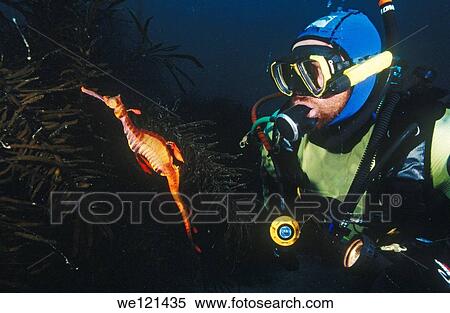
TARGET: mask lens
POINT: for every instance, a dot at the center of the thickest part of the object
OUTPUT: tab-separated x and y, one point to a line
313	76
287	79
283	77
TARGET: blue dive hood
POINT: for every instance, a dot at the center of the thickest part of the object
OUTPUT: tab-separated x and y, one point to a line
353	33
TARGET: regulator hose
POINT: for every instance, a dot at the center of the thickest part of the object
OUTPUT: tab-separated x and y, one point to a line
254	116
384	114
261	121
361	180
412	130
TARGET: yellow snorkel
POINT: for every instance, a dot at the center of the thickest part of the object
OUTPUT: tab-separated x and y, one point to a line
360	72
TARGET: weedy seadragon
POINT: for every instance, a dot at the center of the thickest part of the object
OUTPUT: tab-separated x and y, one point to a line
153	153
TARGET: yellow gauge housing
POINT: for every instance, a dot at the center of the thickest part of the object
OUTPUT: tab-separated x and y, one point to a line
285	231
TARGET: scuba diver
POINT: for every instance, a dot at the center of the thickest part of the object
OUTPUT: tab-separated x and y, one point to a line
355	129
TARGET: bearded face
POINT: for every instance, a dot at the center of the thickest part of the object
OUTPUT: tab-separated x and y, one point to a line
324	110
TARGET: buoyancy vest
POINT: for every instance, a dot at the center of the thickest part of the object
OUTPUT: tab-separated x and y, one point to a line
423	160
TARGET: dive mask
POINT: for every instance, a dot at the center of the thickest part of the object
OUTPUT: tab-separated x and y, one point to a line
320	71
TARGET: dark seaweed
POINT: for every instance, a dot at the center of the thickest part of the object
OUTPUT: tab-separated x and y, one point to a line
55	139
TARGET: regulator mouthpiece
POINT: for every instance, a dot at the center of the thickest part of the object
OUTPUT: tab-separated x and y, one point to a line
293	123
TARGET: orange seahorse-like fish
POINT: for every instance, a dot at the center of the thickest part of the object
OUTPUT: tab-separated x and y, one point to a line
153	153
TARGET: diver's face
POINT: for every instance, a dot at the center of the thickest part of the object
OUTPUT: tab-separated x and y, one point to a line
322	109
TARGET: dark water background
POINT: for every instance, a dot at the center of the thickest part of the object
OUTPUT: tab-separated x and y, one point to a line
236	40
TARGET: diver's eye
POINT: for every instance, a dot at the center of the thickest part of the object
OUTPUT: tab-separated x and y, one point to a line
314	73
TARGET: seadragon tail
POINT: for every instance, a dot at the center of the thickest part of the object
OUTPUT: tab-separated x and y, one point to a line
173	181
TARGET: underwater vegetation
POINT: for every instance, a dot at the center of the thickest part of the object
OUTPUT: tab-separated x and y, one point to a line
154	154
54	139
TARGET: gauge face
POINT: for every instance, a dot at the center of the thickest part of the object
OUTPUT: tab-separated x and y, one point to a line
353	253
284	231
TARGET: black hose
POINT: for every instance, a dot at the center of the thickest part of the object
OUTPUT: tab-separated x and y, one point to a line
390	23
361	180
412	129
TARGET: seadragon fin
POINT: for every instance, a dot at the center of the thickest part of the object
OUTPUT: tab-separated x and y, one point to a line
135	111
175	151
144	164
